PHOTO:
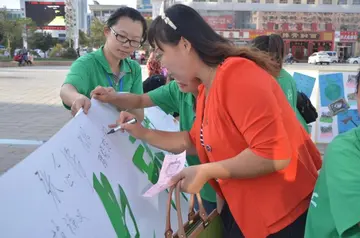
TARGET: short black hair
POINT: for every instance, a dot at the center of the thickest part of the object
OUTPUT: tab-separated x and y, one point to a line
357	82
131	13
153	82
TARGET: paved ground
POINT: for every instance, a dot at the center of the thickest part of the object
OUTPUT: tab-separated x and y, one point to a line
31	109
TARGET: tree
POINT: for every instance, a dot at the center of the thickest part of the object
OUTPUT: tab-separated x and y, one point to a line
97	33
41	40
83	39
12	30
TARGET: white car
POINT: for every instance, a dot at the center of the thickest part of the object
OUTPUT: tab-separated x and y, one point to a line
319	58
333	56
353	60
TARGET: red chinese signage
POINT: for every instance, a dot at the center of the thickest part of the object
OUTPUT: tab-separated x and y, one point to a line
220	22
248	35
348	36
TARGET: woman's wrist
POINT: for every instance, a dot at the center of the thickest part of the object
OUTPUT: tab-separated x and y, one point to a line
146	134
215	170
208	168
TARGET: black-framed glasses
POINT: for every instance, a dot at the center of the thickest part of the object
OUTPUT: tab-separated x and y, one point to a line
124	39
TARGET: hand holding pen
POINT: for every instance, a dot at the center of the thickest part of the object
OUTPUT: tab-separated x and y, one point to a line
127	122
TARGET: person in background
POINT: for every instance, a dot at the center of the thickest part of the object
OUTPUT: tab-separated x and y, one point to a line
78	52
253	150
153	83
153	65
274	45
24	53
335	208
109	66
173	98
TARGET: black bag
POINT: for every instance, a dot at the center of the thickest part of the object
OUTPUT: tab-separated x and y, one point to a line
306	109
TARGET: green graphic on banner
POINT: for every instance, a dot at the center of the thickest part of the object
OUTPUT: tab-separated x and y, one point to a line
115	210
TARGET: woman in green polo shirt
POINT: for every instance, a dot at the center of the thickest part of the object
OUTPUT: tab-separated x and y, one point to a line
274	45
171	98
334	210
109	66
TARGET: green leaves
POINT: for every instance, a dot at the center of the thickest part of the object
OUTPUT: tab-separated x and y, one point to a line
115	209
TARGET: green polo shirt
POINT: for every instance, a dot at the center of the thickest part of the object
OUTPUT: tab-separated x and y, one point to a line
92	70
170	99
288	85
334	210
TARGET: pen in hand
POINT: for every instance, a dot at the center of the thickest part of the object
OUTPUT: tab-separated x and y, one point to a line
132	121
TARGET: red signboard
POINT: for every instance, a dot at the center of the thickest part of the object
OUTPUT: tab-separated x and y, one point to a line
220	22
348	36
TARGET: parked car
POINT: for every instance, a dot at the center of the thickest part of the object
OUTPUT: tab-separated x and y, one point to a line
333	56
353	60
319	58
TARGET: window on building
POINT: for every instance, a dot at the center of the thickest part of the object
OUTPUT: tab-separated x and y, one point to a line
342	2
327	2
310	1
200	0
241	1
269	1
255	1
283	1
356	2
227	0
297	1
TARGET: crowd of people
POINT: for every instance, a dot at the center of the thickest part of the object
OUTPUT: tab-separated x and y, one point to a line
248	147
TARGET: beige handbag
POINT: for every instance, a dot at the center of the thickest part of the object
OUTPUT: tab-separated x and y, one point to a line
199	224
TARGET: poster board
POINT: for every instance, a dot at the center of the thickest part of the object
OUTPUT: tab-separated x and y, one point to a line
85	183
333	86
327	87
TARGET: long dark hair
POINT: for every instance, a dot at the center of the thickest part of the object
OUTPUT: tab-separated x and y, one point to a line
212	48
273	44
131	13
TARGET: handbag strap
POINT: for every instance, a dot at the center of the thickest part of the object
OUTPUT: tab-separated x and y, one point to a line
169	231
191	215
202	212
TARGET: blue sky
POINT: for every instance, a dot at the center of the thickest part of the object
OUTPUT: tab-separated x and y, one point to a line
16	3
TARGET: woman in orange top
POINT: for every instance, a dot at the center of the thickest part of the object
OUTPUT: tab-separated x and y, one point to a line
253	150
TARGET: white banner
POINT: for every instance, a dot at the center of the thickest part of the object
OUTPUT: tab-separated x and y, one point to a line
85	183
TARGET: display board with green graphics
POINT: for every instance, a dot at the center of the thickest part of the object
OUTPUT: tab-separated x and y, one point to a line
85	183
333	93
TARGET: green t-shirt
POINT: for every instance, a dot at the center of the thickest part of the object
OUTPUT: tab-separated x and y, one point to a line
170	99
288	85
92	70
335	207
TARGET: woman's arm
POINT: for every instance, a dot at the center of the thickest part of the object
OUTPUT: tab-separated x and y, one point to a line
68	94
174	142
244	165
122	101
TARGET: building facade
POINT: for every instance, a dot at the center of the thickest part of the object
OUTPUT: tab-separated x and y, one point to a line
13	14
82	18
102	12
307	26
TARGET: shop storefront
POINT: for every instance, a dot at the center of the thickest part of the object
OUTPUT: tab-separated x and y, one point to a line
303	44
345	44
300	44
